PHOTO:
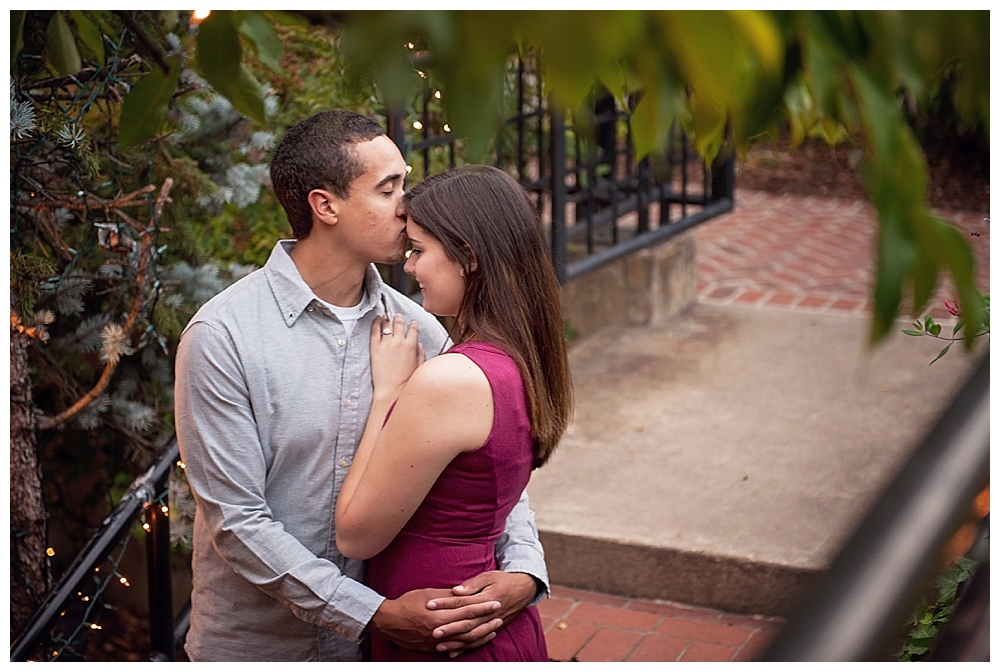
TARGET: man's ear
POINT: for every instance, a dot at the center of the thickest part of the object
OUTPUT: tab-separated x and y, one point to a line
325	206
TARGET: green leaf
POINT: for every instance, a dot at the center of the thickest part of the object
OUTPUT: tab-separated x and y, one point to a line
958	326
247	96
895	257
104	21
145	107
16	33
218	50
89	33
285	18
941	354
910	332
936	330
925	276
60	45
218	55
261	33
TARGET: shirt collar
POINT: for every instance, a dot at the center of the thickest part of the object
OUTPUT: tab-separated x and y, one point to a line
294	295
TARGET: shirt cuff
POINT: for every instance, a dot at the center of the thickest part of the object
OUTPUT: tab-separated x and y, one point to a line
351	608
534	569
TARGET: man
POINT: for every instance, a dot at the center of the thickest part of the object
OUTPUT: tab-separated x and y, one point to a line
273	389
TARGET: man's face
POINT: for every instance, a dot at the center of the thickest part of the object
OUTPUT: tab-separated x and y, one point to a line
371	217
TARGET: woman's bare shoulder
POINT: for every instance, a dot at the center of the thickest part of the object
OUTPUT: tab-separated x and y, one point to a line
451	374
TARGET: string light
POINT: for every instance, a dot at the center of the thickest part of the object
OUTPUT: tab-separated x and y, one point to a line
447	128
180	463
164	509
145	526
437	94
423	75
71	642
50	551
409	169
409	45
417	125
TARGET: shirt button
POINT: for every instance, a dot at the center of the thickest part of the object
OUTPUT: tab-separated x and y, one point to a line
343	462
340	341
309	309
349	401
326	635
339	630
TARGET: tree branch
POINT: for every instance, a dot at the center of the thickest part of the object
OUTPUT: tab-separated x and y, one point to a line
133	315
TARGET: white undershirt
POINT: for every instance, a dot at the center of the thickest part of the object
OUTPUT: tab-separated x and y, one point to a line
348	316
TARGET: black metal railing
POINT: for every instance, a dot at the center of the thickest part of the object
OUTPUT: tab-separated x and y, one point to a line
144	498
859	610
597	200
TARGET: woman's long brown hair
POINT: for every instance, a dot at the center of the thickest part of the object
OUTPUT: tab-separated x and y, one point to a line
485	221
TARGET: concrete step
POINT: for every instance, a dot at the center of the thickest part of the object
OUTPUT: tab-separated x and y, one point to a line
722	459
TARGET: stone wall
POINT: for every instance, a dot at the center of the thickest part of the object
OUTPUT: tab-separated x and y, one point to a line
643	289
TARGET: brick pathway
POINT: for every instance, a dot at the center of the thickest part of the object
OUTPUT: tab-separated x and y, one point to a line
801	253
807	253
592	627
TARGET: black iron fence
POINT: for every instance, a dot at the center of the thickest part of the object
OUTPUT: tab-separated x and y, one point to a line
596	198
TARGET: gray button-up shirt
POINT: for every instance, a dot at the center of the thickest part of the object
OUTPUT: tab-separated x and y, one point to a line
271	400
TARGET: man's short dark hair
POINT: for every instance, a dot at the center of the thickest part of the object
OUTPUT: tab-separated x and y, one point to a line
318	153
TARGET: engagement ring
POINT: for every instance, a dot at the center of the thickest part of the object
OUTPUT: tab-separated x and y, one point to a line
387	332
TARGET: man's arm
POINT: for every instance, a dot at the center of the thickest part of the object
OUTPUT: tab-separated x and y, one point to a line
226	468
519	549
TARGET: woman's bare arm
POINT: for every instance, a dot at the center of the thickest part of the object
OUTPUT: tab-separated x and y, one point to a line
444	408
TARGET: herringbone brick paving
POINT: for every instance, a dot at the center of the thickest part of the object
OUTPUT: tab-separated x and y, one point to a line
801	253
808	253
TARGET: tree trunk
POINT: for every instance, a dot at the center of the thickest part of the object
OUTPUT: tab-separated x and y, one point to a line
29	564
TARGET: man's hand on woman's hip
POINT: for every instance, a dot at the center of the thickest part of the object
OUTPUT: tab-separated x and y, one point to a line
410	622
512	590
456	620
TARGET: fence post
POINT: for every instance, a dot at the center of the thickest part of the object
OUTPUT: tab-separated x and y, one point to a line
557	146
159	580
724	179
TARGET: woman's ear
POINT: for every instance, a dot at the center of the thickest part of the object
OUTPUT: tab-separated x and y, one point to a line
324	206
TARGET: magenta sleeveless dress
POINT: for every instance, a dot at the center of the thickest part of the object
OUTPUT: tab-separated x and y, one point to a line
452	535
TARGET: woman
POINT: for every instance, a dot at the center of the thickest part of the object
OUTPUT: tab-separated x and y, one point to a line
451	442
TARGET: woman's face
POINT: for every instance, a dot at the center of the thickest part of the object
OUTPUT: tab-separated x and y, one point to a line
441	279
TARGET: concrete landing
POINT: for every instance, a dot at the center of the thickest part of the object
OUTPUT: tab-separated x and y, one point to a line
721	460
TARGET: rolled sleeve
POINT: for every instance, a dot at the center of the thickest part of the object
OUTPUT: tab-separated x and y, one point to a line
519	549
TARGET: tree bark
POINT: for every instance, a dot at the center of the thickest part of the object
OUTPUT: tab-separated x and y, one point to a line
29	564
